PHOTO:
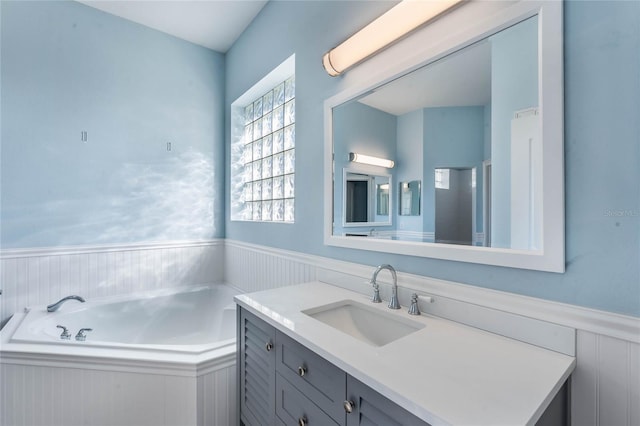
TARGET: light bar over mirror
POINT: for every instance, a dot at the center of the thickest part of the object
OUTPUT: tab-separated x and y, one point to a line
397	22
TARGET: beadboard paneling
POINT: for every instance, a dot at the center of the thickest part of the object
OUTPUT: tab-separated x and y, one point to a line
252	268
606	382
37	395
33	395
41	276
217	401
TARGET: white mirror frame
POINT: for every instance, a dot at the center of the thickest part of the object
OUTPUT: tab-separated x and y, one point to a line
465	25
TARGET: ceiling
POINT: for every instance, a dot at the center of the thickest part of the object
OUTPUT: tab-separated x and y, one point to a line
460	79
215	24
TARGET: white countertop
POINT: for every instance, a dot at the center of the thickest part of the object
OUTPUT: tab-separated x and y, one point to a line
445	373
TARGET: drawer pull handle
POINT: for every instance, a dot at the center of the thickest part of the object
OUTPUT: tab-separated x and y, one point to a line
349	406
269	346
302	421
302	371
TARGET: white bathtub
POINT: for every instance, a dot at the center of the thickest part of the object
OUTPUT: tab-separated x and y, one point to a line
190	322
158	359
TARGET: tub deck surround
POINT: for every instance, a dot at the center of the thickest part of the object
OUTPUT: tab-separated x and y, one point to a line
445	373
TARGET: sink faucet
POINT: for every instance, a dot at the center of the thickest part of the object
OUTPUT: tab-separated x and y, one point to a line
55	306
393	303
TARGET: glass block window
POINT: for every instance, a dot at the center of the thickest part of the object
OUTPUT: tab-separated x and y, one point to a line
268	155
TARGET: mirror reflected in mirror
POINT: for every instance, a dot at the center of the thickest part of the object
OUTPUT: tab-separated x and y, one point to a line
450	123
366	199
409	198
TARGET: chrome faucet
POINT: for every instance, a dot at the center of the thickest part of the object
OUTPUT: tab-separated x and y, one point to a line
55	306
65	335
393	303
81	336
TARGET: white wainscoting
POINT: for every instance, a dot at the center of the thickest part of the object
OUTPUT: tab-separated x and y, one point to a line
31	277
50	396
605	385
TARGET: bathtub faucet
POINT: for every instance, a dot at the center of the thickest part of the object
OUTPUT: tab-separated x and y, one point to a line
55	306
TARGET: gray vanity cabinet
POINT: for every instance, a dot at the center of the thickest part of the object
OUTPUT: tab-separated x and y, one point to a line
256	358
281	382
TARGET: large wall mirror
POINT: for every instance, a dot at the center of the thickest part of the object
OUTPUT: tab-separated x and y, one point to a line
477	124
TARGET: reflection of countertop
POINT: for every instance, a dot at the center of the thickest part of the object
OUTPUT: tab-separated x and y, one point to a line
445	373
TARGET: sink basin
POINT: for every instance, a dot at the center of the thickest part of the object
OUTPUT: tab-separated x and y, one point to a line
365	323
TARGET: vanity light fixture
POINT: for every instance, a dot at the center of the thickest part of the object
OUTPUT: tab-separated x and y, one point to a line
373	161
398	21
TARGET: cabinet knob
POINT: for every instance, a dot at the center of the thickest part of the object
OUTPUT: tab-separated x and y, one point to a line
268	346
302	371
302	421
349	406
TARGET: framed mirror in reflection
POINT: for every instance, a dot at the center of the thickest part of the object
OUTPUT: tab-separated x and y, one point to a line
409	198
366	200
468	124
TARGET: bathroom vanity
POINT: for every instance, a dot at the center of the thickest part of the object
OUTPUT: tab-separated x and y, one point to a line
304	358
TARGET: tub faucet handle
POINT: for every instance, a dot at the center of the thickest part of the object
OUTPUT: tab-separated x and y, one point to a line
65	335
81	337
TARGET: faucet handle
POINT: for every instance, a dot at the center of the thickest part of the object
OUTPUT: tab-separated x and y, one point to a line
414	309
65	335
376	292
81	337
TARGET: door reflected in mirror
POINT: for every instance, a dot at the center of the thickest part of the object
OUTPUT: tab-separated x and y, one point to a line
455	213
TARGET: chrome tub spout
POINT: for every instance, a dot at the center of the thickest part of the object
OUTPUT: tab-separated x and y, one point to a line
55	306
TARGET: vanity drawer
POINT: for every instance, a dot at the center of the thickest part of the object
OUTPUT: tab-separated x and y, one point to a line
317	378
294	409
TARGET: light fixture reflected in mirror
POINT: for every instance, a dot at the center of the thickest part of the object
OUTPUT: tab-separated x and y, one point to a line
372	161
388	28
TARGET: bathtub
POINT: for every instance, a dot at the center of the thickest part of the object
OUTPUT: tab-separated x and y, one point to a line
190	322
168	347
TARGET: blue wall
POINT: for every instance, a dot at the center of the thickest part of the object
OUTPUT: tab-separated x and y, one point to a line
514	86
365	130
453	138
68	68
602	103
410	148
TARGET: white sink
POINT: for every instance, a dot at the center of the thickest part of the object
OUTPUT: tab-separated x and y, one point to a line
365	323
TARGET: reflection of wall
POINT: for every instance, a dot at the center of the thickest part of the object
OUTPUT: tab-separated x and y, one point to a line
68	68
364	130
453	137
514	86
409	152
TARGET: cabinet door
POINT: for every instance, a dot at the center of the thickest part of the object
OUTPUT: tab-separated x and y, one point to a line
372	409
256	362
